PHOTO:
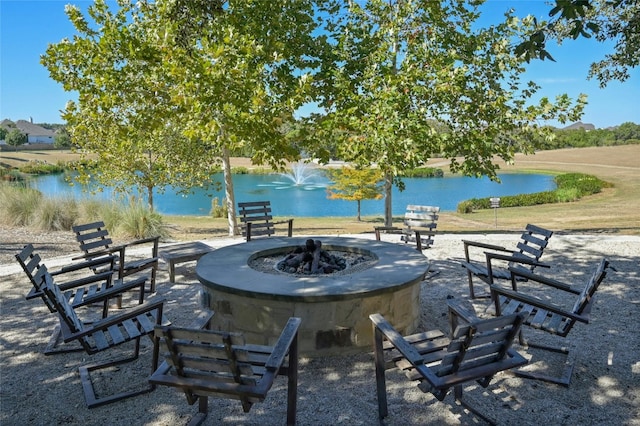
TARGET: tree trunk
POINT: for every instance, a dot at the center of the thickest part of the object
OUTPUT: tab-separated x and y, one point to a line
150	196
388	211
228	191
359	219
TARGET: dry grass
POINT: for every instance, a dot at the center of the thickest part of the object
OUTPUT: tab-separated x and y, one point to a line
615	210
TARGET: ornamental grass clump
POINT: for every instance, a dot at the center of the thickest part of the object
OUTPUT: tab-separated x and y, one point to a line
139	221
18	204
55	213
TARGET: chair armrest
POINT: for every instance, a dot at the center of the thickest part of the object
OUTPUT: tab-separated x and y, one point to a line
458	312
154	240
468	243
81	282
396	339
86	264
117	319
202	320
116	291
154	251
542	279
105	252
404	347
533	301
281	348
515	259
476	244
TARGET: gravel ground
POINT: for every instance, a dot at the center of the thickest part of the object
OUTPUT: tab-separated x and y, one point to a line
605	389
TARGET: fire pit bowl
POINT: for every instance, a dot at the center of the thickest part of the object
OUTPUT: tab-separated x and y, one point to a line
334	308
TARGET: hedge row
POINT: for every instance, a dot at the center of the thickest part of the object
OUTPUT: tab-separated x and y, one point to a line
569	187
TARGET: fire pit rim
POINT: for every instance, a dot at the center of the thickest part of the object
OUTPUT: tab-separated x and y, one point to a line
227	269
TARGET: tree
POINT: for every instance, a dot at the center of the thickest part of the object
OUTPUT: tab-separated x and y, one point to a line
606	20
3	133
181	84
62	139
398	67
355	185
239	73
15	138
125	113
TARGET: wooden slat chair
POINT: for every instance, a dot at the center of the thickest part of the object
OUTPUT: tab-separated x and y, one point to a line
105	334
529	249
256	220
420	224
205	363
83	291
548	316
95	242
475	351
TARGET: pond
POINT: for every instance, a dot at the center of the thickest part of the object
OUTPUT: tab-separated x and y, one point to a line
307	196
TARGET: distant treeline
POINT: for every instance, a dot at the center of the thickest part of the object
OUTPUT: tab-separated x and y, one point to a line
625	134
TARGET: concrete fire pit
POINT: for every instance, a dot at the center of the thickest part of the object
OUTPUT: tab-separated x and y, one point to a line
334	308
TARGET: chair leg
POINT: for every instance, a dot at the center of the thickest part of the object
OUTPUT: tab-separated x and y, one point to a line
153	279
381	386
292	383
203	411
457	392
89	392
564	379
52	347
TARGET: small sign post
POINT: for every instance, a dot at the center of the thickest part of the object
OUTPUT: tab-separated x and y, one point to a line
495	203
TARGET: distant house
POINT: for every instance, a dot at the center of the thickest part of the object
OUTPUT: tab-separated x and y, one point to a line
35	133
579	125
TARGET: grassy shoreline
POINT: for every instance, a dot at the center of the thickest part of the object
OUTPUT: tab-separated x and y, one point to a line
615	210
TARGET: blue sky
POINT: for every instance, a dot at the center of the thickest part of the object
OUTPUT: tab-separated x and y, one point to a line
27	91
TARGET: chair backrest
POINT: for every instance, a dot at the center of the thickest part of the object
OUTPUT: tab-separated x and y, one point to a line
92	237
480	344
258	213
207	353
30	263
532	243
585	299
422	219
61	304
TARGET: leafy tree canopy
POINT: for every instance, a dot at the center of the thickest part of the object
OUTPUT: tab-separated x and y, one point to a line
605	20
15	138
124	112
404	81
355	185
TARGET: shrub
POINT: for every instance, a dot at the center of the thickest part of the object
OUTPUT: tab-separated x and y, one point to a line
40	168
12	175
465	206
18	204
239	170
567	195
218	210
570	187
139	221
424	172
56	213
